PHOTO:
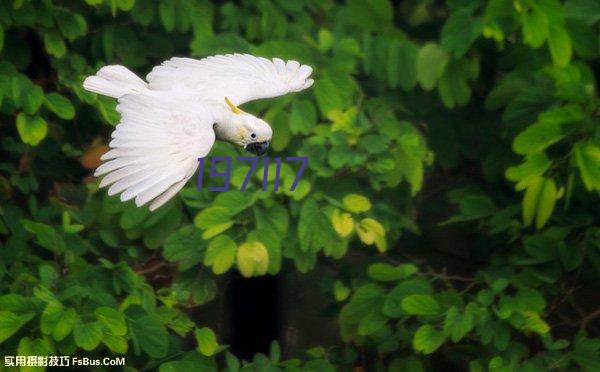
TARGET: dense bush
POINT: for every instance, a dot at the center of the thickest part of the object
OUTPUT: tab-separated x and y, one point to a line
452	185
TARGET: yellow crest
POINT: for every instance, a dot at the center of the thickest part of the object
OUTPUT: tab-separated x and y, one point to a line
234	108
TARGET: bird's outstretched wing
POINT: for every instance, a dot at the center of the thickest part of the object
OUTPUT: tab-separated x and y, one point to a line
155	147
240	77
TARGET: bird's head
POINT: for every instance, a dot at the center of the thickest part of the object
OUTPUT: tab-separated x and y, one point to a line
246	130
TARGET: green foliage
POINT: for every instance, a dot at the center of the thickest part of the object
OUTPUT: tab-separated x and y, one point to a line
488	108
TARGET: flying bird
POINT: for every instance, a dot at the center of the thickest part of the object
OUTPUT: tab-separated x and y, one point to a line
174	118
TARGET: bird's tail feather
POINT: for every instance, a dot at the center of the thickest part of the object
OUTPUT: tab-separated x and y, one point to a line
114	81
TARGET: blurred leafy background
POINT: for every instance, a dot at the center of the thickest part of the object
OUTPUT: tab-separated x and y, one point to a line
448	219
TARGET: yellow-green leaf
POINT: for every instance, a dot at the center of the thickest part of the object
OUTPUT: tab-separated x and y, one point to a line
559	42
252	259
431	61
534	323
220	254
587	158
342	222
32	129
370	231
356	203
207	341
539	201
112	319
418	304
60	105
530	200
11	323
87	335
548	196
535	28
427	339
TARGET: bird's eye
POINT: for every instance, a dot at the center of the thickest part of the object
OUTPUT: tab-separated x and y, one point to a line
253	135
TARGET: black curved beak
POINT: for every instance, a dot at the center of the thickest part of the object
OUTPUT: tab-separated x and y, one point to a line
258	148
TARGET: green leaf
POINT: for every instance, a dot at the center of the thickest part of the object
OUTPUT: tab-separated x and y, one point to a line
325	40
328	96
431	62
559	42
107	108
587	11
303	117
406	66
46	236
369	15
33	98
534	323
54	44
37	346
535	28
530	200
537	137
133	217
166	11
420	305
32	129
458	32
361	303
116	344
185	246
340	291
126	5
409	364
587	158
50	316
453	87
535	165
71	25
392	306
220	254
214	220
387	273
112	319
539	201
546	203
232	362
207	341
311	226
87	335
10	323
15	303
457	325
473	207
57	321
427	339
372	322
60	105
65	325
586	355
149	334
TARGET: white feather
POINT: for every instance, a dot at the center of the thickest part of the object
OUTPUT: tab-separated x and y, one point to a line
240	77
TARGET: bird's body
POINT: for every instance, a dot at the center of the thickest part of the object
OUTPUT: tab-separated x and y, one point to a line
173	119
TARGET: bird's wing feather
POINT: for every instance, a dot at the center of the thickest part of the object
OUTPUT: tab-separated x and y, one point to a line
240	77
156	146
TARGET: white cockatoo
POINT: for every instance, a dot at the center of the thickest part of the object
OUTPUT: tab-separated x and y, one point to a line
173	119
